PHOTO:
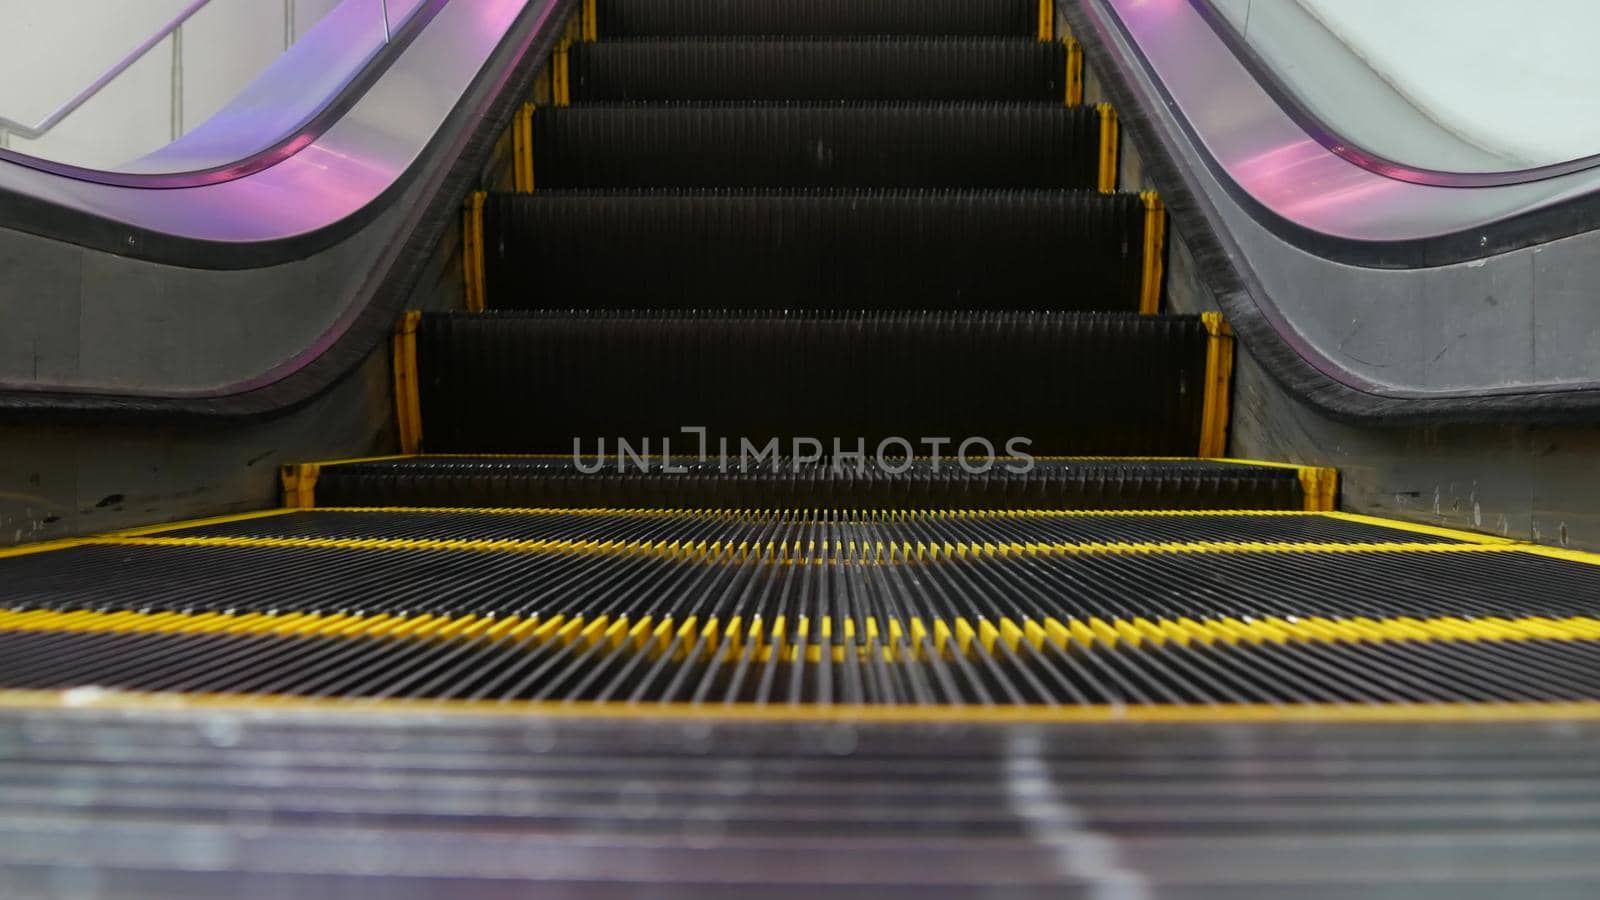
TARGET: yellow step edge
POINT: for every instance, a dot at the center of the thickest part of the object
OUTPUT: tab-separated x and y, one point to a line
1155	253
1218	385
730	640
1074	80
472	272
407	391
1110	133
521	151
560	74
935	551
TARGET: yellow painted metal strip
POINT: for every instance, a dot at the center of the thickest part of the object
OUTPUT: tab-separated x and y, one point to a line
1436	531
864	555
1218	385
522	148
1047	20
472	264
1262	714
407	391
1110	133
560	85
1320	486
727	639
1074	72
1155	253
300	485
852	515
590	23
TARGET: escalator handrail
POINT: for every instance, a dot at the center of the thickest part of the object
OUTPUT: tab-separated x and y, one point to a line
1353	152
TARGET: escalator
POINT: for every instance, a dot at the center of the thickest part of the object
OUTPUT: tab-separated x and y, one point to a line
815	492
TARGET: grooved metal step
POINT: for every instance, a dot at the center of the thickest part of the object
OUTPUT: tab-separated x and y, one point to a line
881	69
1047	383
909	250
561	481
873	145
939	609
640	18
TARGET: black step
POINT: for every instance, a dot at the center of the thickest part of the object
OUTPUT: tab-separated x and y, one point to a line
1073	384
944	145
562	482
1066	250
912	69
643	18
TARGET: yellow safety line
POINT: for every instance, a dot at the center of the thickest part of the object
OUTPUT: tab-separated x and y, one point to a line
856	515
69	543
799	552
407	392
1466	537
1218	384
146	530
890	640
560	78
1047	20
590	21
472	264
1155	253
1100	714
40	547
522	148
1074	72
1109	134
1435	531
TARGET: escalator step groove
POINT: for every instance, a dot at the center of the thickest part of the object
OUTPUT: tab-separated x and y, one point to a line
1059	250
915	69
644	18
987	145
620	565
1056	383
755	525
503	669
1108	484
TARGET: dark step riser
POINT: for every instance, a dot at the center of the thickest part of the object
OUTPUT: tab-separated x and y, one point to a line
906	70
645	18
961	146
560	484
1094	385
1000	250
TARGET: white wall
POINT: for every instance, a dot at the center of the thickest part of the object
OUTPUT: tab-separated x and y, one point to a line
51	50
1521	80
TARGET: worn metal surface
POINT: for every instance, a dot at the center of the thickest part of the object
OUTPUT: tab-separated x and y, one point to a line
238	802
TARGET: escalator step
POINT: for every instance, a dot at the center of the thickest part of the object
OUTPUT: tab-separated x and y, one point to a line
681	607
1050	484
645	18
1068	528
872	69
1195	674
963	145
664	566
1063	250
1072	384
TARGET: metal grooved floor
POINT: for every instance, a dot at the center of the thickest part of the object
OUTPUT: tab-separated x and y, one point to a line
939	611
